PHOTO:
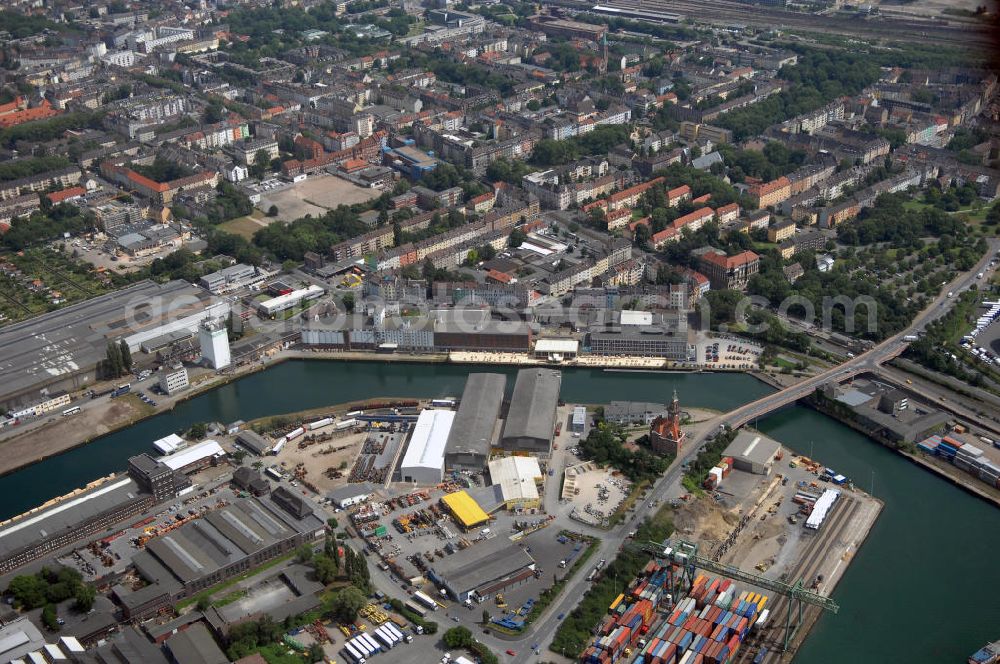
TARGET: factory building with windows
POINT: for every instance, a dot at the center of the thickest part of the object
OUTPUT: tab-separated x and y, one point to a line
474	428
531	418
228	541
85	512
480	572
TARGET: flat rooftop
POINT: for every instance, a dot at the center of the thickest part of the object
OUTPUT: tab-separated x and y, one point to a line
65	514
482	563
532	412
74	339
225	536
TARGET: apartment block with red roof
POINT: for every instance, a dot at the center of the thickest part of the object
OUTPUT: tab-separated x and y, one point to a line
71	193
729	272
694	220
662	238
161	193
618	218
628	198
18	112
771	193
676	196
728	213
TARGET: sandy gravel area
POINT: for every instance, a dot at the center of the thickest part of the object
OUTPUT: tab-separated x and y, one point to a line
315	196
63	433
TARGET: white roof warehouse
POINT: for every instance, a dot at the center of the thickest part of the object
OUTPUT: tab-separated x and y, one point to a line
423	462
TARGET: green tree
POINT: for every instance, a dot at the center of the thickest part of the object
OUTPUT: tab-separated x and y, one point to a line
304	553
49	618
348	301
113	359
993	216
272	211
214	113
204	601
347	603
457	637
325	568
517	238
84	598
261	164
486	616
126	356
28	590
197	431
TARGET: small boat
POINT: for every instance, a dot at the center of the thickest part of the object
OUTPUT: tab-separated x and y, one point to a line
988	654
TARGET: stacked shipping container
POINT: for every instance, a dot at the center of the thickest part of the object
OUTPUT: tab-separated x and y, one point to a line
964	456
719	473
706	627
631	614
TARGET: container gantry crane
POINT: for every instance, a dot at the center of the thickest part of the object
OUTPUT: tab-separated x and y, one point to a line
684	554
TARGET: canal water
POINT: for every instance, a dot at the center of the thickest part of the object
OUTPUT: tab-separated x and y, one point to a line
922	590
301	385
923	587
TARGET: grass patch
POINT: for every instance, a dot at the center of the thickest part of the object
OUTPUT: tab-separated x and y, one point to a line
230	598
782	363
279	653
138	406
245	227
228	583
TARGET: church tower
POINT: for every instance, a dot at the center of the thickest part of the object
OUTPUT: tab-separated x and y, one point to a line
665	435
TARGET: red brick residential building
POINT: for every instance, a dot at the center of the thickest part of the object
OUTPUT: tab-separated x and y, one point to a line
729	272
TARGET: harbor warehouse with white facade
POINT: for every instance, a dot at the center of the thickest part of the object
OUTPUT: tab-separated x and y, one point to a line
472	434
531	418
423	462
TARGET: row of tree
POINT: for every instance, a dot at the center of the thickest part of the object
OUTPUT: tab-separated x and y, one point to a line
117	360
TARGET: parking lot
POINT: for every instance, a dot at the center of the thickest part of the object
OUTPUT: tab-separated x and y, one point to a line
727	353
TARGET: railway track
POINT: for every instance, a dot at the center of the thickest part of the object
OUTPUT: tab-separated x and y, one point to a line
773	634
726	12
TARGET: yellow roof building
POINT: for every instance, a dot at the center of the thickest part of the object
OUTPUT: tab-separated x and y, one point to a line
466	511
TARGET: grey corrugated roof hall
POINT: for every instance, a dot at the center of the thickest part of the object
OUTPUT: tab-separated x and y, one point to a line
468	445
531	418
62	348
753	452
